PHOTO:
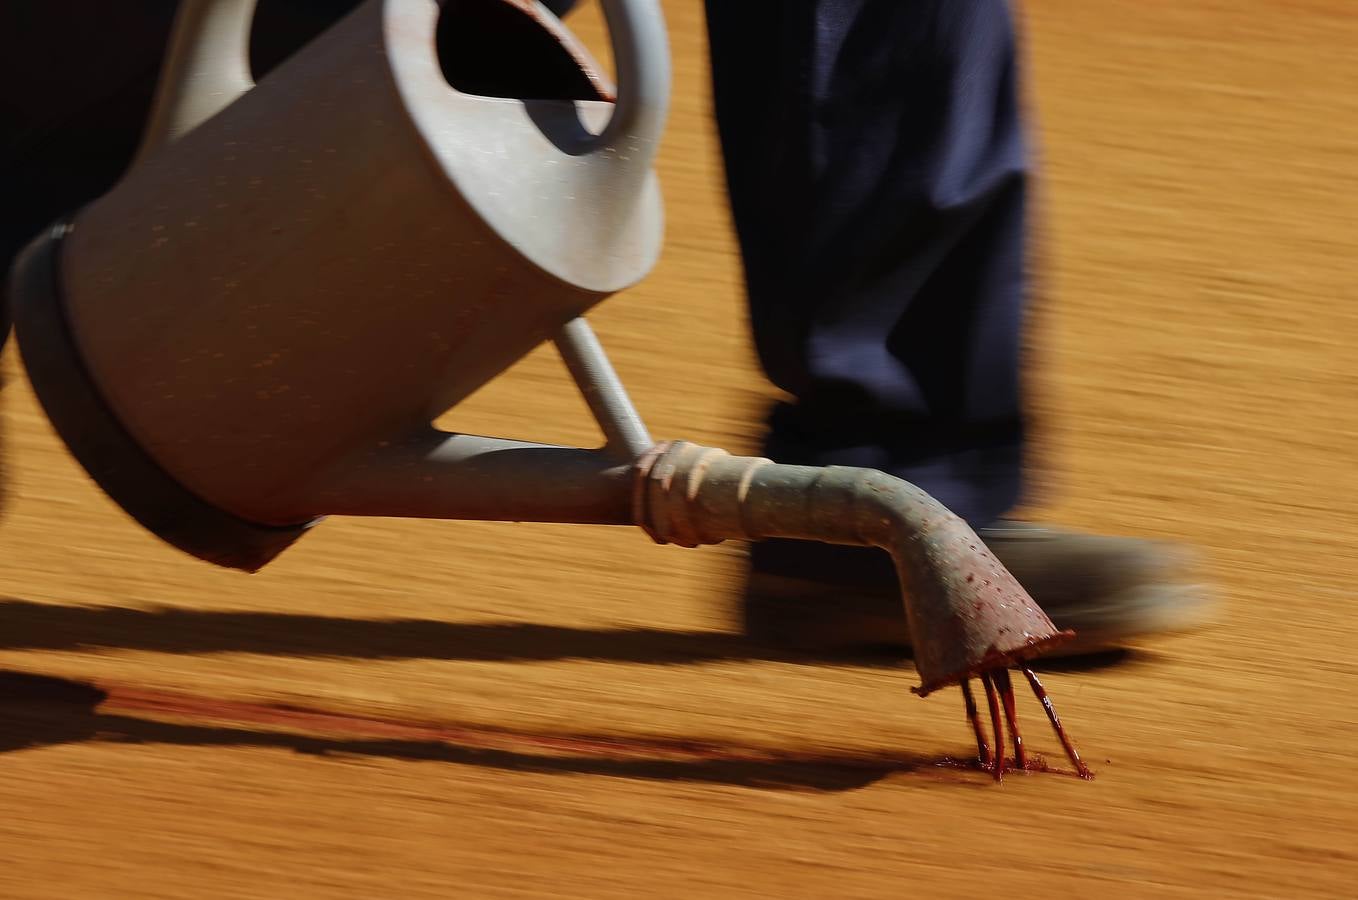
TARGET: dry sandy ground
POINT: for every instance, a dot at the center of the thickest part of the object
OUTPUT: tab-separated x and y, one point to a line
1196	379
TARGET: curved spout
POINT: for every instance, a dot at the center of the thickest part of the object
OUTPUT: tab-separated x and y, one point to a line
967	614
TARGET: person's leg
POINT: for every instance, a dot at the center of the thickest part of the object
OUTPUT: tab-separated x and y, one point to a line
876	165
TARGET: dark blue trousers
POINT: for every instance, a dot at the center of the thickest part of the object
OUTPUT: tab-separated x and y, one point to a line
876	166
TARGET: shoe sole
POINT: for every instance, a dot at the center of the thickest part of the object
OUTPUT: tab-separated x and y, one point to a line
1146	612
794	614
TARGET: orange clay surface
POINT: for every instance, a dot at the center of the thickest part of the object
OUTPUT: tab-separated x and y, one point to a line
510	711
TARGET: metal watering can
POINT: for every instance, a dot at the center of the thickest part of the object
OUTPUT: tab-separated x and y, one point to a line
256	327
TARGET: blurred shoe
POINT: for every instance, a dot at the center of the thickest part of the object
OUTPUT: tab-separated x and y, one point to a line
1108	590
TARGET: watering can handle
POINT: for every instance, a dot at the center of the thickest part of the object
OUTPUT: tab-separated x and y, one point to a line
641	53
207	67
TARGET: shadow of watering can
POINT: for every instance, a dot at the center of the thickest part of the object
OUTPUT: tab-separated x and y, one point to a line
257	326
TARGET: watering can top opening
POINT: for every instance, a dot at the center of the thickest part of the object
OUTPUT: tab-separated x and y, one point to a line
566	180
603	139
516	50
521	122
507	112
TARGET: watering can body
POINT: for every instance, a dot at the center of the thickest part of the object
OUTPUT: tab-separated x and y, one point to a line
334	257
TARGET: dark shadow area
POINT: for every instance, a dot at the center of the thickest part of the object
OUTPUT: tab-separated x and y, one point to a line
25	625
38	711
1093	662
788	772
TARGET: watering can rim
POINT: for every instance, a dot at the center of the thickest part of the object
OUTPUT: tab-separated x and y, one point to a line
212	64
618	155
602	185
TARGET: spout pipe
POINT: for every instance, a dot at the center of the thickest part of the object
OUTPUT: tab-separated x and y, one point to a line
965	611
602	389
463	476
